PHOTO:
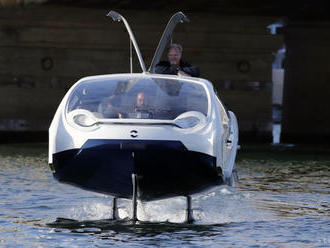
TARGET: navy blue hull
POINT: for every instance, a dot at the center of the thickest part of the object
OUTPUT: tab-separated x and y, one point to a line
163	168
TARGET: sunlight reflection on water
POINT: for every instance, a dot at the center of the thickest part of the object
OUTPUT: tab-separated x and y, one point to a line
275	200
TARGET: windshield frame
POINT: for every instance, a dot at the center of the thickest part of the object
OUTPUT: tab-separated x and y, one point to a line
204	83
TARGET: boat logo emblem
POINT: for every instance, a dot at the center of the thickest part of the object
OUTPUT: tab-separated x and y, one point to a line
134	133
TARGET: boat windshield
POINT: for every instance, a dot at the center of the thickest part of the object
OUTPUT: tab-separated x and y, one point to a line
138	98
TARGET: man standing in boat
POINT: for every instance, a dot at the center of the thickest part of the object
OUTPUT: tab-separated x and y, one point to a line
175	65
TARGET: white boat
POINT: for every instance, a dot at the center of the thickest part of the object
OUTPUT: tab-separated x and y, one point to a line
181	140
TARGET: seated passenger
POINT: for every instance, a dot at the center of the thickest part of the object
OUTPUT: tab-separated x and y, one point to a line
140	108
175	65
107	108
140	104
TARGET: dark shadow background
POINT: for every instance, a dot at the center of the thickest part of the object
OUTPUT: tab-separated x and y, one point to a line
45	47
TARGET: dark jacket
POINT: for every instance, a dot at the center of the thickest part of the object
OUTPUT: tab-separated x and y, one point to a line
164	67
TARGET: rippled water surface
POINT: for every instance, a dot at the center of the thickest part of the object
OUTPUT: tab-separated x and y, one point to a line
281	200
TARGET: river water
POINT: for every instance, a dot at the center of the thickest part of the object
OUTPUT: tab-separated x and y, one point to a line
282	200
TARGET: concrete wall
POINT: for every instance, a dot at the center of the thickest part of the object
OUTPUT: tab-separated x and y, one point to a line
306	113
44	50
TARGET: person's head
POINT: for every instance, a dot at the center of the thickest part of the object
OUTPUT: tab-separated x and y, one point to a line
174	54
140	99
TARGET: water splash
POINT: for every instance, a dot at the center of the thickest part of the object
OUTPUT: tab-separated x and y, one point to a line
220	205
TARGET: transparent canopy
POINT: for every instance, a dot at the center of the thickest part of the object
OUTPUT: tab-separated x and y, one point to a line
136	97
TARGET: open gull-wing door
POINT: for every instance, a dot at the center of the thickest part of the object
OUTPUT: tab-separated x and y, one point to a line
117	17
178	17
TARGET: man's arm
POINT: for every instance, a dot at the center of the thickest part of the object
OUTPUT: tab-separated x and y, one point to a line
189	69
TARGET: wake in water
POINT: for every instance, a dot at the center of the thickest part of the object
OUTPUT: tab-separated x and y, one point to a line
220	205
